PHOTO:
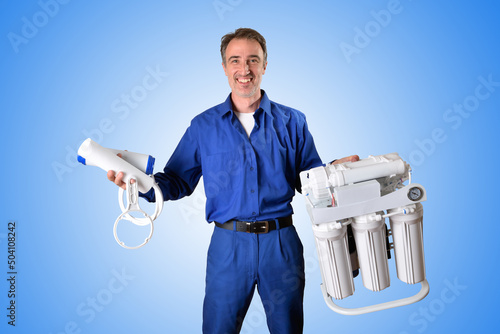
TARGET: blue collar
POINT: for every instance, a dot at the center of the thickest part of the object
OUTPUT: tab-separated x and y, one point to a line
227	106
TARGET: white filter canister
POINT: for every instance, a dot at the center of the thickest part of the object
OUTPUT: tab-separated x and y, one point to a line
370	237
407	235
144	162
334	259
93	154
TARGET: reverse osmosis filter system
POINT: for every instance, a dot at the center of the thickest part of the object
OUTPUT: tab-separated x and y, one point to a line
135	166
358	196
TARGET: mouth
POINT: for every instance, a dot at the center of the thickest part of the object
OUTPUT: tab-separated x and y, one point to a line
244	80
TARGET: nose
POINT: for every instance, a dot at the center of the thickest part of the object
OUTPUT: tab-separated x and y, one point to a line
245	68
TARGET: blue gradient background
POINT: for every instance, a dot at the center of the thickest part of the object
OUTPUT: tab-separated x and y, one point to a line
391	97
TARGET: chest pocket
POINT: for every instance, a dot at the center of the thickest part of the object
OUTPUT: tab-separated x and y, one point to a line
222	172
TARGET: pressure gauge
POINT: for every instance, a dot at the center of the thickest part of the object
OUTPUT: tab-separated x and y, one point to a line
415	193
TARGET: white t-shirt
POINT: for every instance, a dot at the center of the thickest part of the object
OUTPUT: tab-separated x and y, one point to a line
247	120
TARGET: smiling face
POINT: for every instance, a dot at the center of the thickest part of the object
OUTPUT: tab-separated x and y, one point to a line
244	66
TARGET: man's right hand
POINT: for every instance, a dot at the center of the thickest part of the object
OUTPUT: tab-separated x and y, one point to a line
118	178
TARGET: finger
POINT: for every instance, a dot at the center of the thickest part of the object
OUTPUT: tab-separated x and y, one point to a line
340	161
119	180
351	158
354	158
111	175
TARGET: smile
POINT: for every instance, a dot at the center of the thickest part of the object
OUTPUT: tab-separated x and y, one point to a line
244	80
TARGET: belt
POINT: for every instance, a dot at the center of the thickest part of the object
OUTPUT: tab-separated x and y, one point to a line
258	227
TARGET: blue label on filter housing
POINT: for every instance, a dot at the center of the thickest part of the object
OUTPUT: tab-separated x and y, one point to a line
150	166
81	159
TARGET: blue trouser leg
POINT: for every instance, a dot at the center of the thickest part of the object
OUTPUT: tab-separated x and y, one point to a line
281	280
237	262
230	282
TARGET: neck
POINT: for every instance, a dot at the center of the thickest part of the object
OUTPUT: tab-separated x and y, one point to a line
246	104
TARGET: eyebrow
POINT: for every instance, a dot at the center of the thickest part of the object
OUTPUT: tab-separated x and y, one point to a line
237	57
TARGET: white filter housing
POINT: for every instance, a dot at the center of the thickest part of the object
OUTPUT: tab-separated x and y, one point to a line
370	236
334	259
407	235
96	155
143	162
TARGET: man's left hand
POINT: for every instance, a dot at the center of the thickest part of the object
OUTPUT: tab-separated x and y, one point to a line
351	158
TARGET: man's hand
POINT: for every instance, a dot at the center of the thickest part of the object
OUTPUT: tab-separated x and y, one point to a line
118	178
351	158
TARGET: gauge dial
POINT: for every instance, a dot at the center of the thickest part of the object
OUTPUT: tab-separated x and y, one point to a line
415	193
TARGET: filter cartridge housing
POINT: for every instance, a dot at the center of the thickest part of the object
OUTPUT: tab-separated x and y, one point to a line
370	236
407	235
334	259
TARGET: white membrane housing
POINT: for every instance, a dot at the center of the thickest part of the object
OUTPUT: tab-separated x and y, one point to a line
370	236
407	235
334	259
370	168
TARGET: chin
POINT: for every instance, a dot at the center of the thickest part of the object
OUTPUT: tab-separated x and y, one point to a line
246	94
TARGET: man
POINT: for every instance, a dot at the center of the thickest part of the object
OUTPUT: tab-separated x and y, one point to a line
250	152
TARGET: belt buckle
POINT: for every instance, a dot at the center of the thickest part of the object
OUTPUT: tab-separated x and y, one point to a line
258	227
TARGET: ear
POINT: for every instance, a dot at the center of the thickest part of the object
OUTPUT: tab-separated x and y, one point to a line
265	66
